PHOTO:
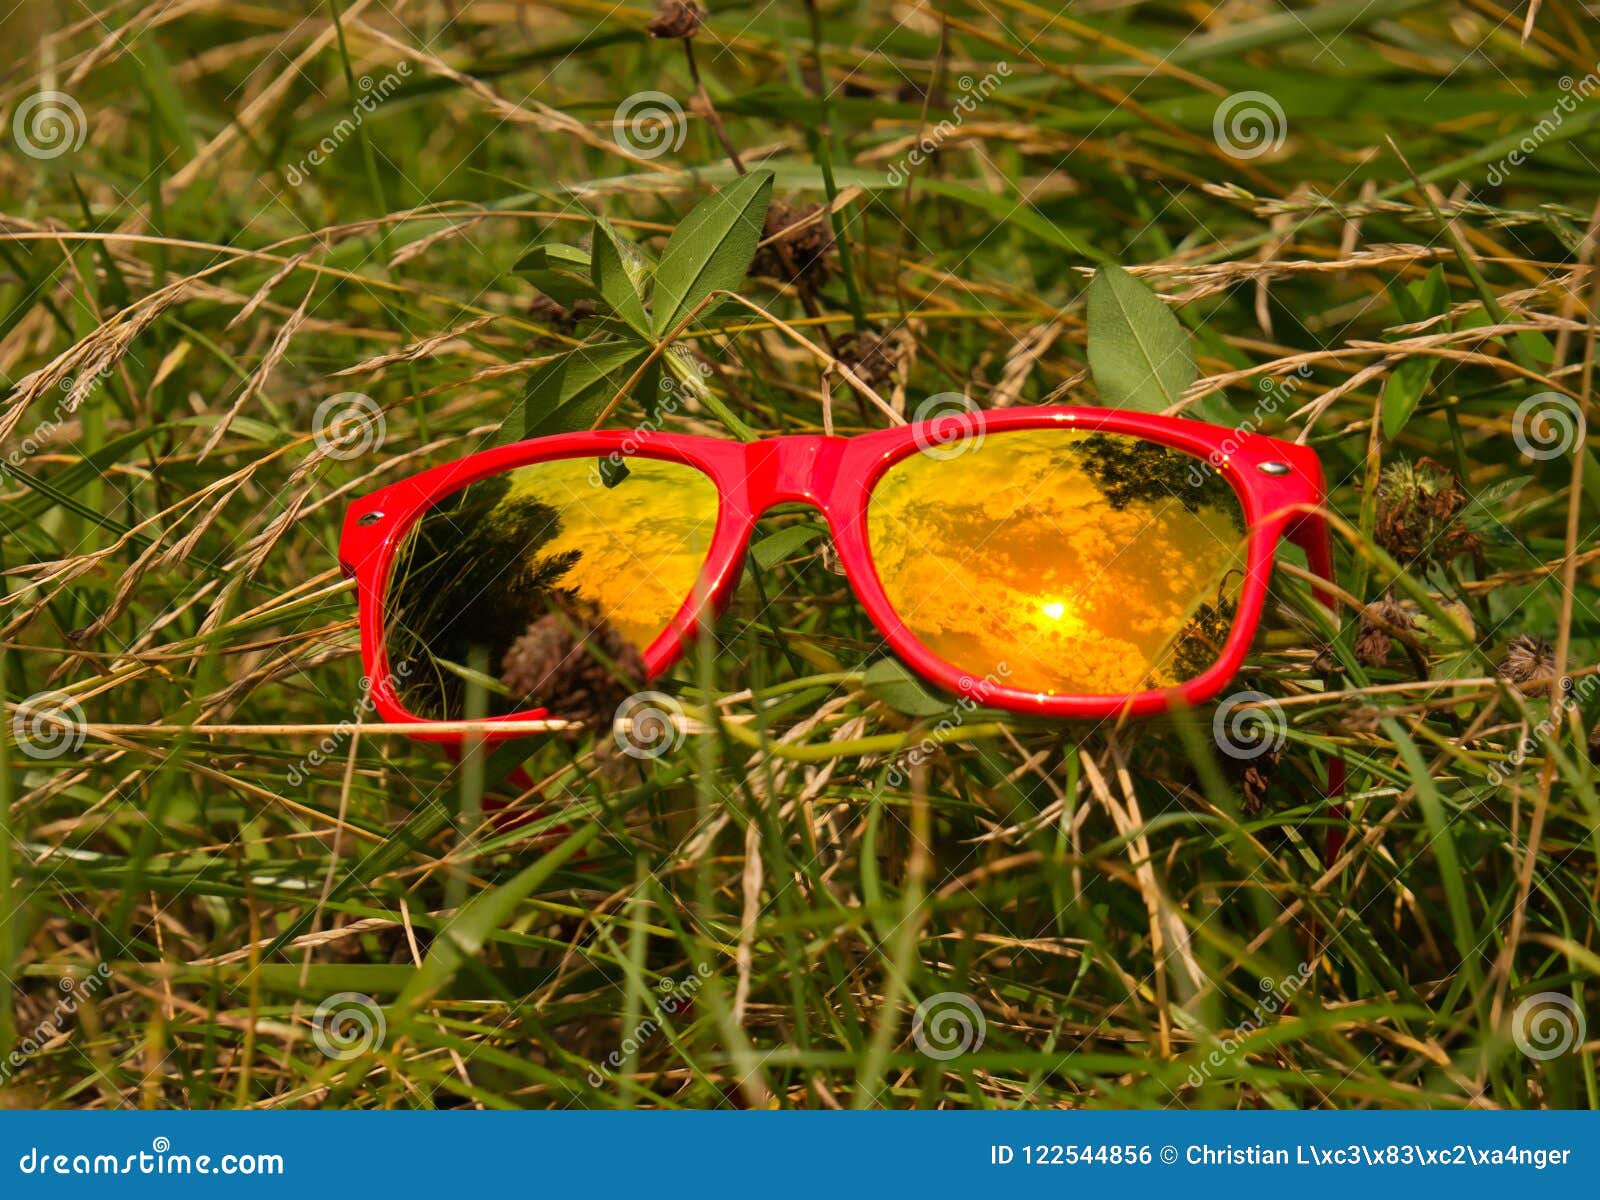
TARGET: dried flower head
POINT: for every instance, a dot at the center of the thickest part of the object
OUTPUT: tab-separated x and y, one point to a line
679	19
575	663
1380	622
878	357
1419	514
1529	662
799	244
1254	777
1326	663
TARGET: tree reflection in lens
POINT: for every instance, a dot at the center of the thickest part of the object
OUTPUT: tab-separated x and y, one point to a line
562	573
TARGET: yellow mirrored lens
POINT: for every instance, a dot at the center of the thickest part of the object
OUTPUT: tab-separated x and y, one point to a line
543	576
1061	561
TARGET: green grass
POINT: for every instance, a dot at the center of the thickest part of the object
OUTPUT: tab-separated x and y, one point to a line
1134	918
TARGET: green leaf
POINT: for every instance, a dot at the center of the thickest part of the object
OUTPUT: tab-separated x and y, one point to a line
1403	391
711	250
613	471
69	480
1540	349
1422	298
560	272
636	261
1491	495
889	680
570	392
784	544
1433	292
1405	301
1138	352
617	279
553	256
475	678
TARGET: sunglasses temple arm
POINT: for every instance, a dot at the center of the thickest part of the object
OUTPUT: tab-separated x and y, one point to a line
1313	535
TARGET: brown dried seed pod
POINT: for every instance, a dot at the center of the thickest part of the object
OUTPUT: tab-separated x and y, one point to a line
1379	622
1529	661
574	663
799	245
1255	781
876	357
1326	663
1419	509
1372	646
677	19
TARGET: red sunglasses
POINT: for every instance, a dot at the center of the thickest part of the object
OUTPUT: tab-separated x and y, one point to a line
1066	562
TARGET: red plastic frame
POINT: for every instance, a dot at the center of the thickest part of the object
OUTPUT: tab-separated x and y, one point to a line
1279	484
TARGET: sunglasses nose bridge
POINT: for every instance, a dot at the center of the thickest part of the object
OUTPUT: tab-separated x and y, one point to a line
788	469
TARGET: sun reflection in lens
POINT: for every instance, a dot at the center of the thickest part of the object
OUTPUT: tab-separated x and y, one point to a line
1088	563
1056	618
